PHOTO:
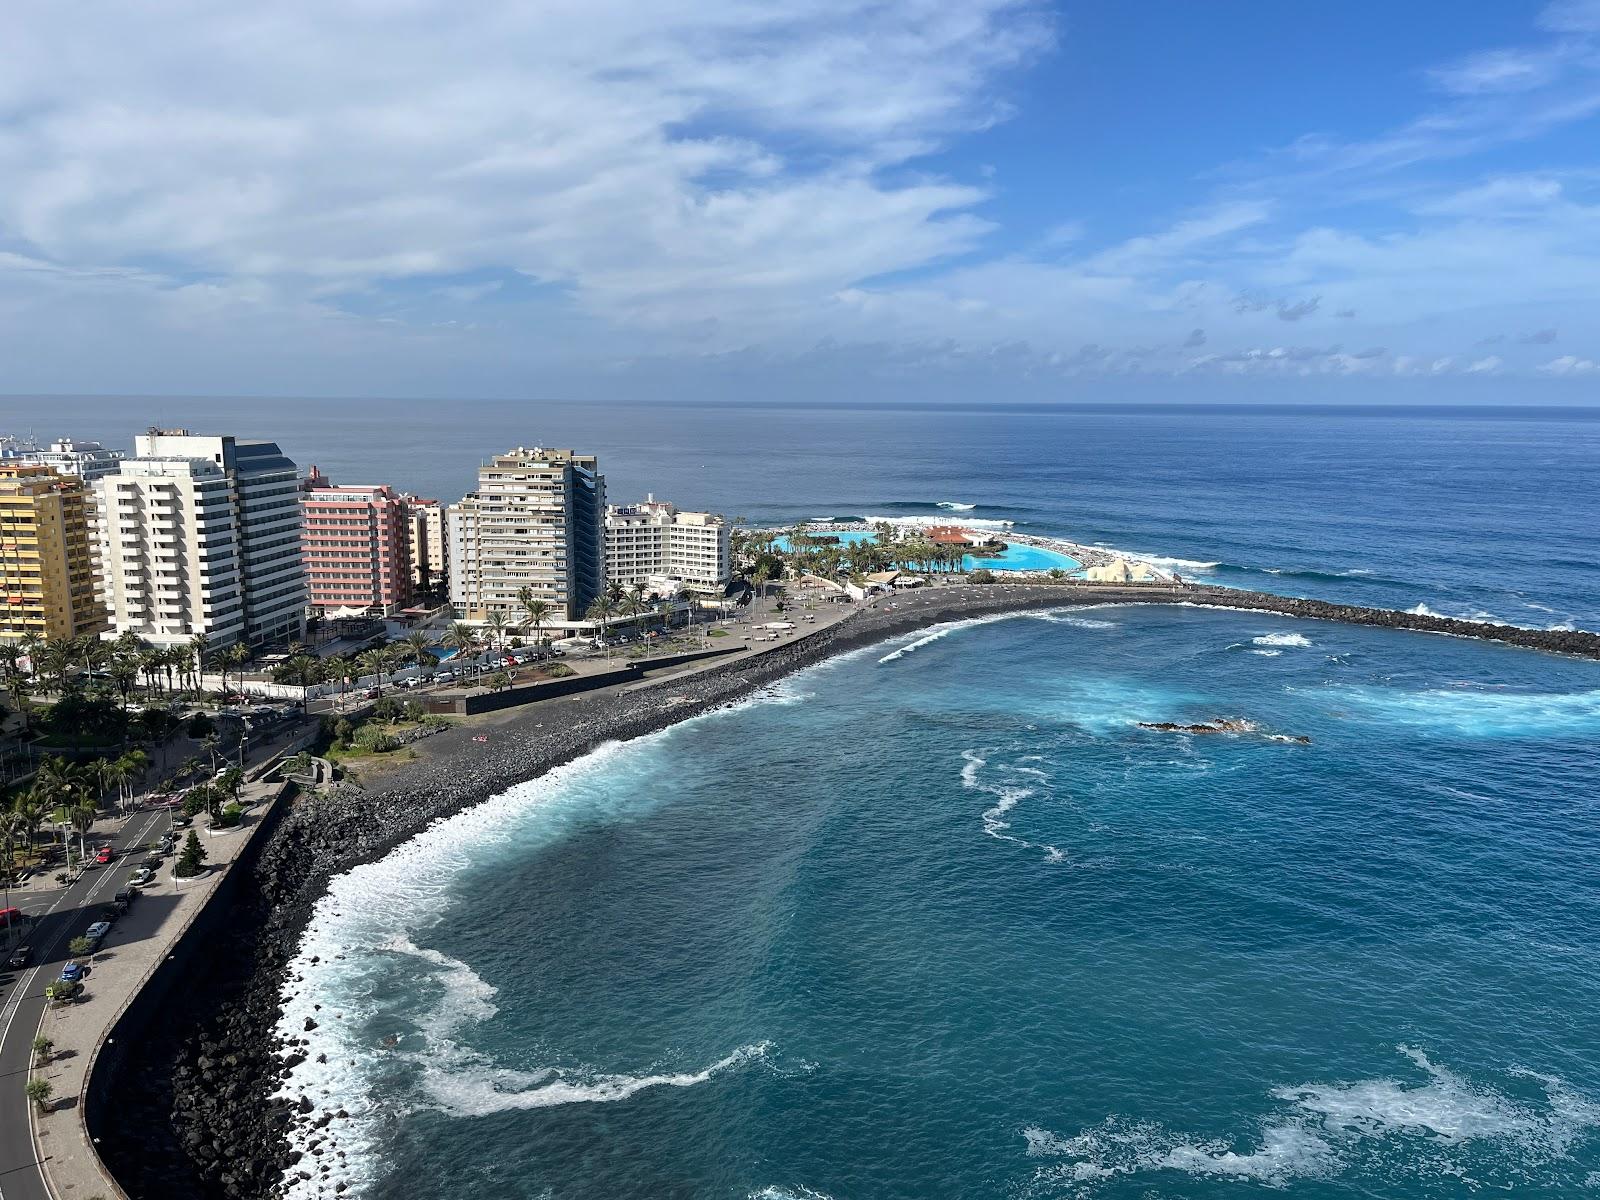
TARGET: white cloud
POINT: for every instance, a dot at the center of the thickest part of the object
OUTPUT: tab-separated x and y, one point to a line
662	162
1496	71
1570	365
1489	365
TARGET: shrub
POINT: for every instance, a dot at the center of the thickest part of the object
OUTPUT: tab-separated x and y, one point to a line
42	1046
1057	573
387	709
558	670
79	946
343	730
414	710
59	991
499	681
374	740
981	575
230	816
200	727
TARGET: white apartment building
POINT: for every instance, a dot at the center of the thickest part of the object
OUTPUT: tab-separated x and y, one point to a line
650	541
87	460
536	522
260	525
169	551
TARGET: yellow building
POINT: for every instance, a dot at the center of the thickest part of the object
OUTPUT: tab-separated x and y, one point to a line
46	556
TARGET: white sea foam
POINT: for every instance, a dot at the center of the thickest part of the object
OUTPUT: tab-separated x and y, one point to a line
1281	639
793	1192
939	631
922	522
1006	798
1059	618
472	1089
956	506
1472	711
1475	617
1267	653
1330	1128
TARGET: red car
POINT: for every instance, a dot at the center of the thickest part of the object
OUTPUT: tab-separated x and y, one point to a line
104	855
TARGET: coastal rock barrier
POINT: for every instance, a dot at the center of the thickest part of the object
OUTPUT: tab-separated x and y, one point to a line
196	1108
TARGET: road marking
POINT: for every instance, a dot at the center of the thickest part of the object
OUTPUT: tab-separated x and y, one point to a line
14	1005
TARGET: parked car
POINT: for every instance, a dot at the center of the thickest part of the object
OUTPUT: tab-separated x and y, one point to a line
96	933
125	897
152	862
370	694
182	821
72	973
113	911
20	957
143	877
445	677
104	855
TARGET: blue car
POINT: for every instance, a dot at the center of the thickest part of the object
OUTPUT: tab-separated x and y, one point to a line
72	973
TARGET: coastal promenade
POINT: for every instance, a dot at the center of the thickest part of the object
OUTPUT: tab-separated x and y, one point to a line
49	1154
192	1122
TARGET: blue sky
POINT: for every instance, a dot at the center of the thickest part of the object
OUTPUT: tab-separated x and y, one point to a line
1163	200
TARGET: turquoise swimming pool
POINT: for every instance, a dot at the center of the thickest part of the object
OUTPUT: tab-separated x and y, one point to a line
1017	557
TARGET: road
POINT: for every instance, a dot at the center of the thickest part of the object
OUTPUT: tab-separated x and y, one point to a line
60	915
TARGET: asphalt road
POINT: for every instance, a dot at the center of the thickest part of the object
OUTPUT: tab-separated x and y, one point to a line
59	916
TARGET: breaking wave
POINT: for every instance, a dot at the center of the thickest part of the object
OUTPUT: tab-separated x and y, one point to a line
1522	1133
1281	639
995	822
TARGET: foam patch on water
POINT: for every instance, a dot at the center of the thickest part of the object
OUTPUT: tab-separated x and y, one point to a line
1267	653
940	631
789	1193
923	522
1387	1131
475	1089
1060	618
1281	639
956	506
1007	797
1472	711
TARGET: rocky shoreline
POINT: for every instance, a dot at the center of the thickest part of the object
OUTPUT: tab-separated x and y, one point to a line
197	1110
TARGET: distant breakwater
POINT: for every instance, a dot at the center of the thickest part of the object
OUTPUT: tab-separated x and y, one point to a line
1580	642
203	1118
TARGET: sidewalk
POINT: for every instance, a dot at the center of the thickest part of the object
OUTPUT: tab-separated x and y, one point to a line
137	944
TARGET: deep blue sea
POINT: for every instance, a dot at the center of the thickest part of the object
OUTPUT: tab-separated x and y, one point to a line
1471	512
940	919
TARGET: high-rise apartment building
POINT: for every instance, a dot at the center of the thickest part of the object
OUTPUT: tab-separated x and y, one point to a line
46	555
537	521
211	525
356	543
654	541
425	526
169	551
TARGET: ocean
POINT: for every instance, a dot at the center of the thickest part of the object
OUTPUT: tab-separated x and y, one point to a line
1492	514
942	917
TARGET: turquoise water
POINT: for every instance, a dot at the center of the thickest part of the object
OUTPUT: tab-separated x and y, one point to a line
1016	557
939	919
1020	557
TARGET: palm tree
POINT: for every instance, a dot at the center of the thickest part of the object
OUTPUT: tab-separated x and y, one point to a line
417	650
32	643
16	682
237	655
536	610
28	814
124	676
497	623
461	637
56	658
83	819
198	645
376	662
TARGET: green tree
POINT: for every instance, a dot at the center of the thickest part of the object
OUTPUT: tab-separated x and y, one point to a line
535	610
497	623
79	946
190	857
39	1091
43	1047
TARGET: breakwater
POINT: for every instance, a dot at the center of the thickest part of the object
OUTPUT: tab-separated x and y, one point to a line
197	1111
1579	642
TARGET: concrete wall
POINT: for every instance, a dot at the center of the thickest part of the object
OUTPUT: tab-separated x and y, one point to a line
549	689
150	1002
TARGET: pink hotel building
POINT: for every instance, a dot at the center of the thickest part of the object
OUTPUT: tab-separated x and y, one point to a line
356	543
